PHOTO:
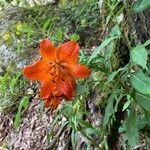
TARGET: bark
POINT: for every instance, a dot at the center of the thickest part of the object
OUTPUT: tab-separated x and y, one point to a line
140	23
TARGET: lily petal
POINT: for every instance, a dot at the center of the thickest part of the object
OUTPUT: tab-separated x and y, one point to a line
67	87
79	71
36	71
47	88
47	50
52	102
68	52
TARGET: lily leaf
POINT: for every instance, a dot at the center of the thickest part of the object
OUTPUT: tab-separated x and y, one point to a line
139	56
132	130
143	100
140	82
98	49
141	5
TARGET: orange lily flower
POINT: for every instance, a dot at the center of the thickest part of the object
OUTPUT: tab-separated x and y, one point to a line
56	70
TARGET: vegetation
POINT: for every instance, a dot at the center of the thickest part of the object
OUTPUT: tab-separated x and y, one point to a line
111	109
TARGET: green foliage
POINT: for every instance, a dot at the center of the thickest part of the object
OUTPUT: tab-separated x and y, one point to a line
141	5
113	74
139	56
23	105
124	87
132	130
98	49
140	82
143	100
13	84
126	105
10	87
75	37
109	110
74	113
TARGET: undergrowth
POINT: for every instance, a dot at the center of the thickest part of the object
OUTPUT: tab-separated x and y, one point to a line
120	69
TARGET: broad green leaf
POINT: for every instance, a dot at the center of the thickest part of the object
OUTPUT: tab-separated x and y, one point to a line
141	5
75	37
132	130
67	109
139	56
59	35
115	31
109	110
98	49
81	89
143	120
141	123
143	100
23	104
147	116
140	82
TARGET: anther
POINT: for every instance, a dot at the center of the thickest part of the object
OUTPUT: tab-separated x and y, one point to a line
62	79
53	81
51	73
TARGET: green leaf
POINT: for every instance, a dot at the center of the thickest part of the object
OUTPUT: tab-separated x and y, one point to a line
98	49
140	82
59	35
141	123
126	105
143	101
90	131
85	124
23	104
132	130
115	31
46	24
19	44
13	83
17	120
146	43
141	5
81	89
113	74
74	139
139	56
75	37
109	110
143	120
97	76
